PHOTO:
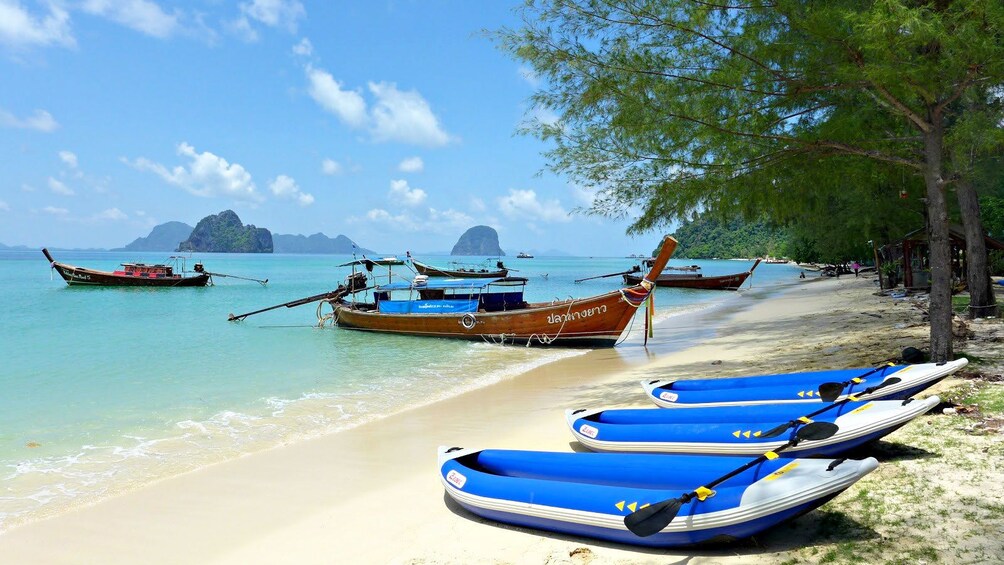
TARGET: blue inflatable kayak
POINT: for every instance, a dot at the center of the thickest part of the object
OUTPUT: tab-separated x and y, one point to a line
802	388
739	430
590	494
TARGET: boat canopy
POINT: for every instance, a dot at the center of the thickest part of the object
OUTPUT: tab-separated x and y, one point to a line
451	284
386	261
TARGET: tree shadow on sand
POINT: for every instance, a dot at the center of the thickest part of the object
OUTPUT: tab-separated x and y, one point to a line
817	528
887	451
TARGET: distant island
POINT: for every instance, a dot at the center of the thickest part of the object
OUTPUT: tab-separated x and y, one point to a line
163	237
317	243
225	233
479	240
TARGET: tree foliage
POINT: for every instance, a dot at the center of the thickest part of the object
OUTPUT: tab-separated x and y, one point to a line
769	108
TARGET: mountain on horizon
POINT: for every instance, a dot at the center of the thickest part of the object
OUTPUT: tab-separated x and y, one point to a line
317	243
225	233
479	240
163	237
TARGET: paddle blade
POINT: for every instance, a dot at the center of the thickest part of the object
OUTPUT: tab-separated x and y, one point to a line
830	391
774	432
652	519
887	382
816	431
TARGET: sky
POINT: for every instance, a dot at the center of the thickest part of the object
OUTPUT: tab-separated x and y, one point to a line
391	122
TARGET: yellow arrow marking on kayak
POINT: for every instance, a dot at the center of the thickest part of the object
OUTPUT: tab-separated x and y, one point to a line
757	433
810	393
747	434
620	505
801	393
633	506
737	432
644	505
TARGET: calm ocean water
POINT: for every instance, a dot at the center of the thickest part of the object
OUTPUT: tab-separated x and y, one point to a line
106	389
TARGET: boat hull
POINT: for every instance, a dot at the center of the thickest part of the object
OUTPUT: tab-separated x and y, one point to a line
589	494
721	282
795	388
80	276
737	430
431	271
588	322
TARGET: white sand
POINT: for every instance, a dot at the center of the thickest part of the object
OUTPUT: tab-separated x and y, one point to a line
372	494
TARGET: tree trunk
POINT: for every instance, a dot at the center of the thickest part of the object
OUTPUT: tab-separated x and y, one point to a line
940	307
981	295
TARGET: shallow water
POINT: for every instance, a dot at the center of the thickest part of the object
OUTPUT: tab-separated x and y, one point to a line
107	389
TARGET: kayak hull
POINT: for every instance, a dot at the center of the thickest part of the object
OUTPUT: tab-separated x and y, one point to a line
589	494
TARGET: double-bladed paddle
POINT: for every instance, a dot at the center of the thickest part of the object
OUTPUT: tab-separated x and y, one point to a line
651	519
774	432
830	391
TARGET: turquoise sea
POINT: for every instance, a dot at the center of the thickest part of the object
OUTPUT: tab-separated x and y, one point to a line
107	389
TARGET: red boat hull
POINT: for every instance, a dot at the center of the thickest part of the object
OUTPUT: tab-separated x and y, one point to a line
723	282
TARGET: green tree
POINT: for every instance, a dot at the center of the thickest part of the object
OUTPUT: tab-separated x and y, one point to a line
758	107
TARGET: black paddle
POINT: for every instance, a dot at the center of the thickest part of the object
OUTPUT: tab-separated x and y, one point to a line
806	419
652	519
830	391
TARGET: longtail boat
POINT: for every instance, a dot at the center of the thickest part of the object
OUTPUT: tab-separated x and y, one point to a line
461	273
721	282
131	274
494	310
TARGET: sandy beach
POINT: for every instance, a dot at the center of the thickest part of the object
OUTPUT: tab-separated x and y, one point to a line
372	494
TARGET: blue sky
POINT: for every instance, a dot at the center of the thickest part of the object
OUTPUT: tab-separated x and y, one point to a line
392	122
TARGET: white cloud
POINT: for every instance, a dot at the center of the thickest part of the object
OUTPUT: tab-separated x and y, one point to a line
55	211
347	105
21	29
143	16
400	191
404	116
523	204
4	207
331	167
450	217
584	196
40	120
25	187
478	205
59	188
272	13
411	165
69	158
286	188
431	221
111	214
207	175
304	48
529	75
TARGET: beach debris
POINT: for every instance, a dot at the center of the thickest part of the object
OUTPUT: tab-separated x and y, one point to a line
716	362
32	444
583	553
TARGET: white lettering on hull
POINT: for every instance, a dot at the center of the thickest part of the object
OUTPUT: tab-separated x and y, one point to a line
572	316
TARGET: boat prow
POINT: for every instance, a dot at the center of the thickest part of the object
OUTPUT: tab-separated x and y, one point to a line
797	387
739	430
590	494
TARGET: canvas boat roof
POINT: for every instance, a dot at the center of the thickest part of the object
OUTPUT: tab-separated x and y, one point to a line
452	284
382	262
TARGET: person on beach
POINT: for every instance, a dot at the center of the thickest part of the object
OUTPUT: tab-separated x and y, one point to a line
855	266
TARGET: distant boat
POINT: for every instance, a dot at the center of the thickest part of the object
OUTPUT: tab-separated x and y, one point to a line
699	281
131	274
460	273
524	255
493	310
774	260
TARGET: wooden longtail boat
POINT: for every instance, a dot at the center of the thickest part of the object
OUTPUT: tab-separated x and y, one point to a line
494	310
132	274
722	282
471	273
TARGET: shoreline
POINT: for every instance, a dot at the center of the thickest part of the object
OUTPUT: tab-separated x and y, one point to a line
371	494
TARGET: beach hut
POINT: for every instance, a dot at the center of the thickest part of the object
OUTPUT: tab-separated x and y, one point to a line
911	253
